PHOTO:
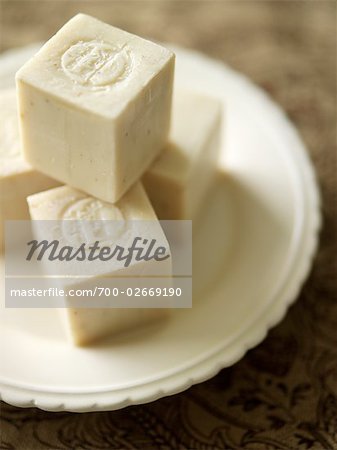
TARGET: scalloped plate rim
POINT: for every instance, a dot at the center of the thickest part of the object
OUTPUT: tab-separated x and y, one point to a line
252	336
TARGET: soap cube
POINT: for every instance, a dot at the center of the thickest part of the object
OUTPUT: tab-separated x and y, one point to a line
95	106
17	178
178	180
86	324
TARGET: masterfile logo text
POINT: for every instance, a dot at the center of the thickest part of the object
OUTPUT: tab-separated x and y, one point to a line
98	264
140	250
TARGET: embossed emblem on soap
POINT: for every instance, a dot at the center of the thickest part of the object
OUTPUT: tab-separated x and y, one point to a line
92	220
97	64
92	209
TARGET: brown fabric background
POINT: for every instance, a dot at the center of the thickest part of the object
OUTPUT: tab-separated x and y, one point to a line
283	394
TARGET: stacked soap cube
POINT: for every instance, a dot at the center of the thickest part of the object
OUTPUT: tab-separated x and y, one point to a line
95	114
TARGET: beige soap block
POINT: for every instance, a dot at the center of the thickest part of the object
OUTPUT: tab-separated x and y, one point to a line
177	181
85	325
17	178
95	106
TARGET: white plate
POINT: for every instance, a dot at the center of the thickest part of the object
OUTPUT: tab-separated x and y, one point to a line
253	248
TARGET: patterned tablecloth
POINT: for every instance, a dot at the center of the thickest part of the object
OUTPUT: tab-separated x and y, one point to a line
282	394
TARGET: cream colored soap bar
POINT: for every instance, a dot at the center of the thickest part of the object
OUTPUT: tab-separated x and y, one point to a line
95	106
17	178
85	325
178	179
